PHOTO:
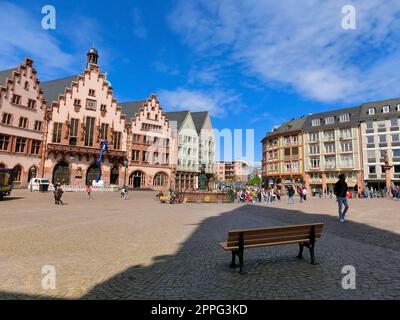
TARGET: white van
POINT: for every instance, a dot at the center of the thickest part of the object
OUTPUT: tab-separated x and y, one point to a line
35	182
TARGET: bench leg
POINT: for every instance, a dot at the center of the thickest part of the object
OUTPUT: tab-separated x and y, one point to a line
301	247
233	262
312	254
241	262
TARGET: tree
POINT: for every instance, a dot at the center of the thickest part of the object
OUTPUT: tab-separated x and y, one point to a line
255	181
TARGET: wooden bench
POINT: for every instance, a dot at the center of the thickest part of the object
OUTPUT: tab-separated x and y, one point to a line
305	235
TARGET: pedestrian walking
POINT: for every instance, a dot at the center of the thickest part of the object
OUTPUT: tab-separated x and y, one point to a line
88	191
304	193
291	193
58	194
125	193
300	192
340	191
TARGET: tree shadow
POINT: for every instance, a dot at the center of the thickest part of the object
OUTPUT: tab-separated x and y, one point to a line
200	270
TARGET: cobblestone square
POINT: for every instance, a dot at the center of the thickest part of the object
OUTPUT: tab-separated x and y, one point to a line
108	248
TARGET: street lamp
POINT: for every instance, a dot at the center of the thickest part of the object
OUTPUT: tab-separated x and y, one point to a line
125	165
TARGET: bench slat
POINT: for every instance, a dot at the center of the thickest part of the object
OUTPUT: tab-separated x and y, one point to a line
268	234
299	226
225	247
273	239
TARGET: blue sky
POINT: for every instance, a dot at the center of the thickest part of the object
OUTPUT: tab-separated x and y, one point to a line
252	64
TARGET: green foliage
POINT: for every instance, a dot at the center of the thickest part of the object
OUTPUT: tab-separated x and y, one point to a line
256	181
231	195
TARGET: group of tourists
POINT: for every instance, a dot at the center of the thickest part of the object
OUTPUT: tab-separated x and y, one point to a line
258	195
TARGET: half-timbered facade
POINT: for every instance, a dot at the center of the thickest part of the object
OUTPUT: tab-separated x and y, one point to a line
187	142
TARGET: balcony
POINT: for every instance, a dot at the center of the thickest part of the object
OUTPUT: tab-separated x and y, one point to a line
382	130
372	176
369	131
83	151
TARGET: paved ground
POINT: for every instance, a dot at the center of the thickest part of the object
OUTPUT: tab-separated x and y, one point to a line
140	249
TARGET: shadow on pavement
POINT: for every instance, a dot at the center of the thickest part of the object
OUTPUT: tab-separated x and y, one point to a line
200	270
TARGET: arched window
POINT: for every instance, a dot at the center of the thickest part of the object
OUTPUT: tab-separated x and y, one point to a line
17	173
92	172
160	179
32	173
61	173
137	179
114	175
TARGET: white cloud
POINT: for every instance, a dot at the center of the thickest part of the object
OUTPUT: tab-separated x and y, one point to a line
216	102
21	34
301	44
138	28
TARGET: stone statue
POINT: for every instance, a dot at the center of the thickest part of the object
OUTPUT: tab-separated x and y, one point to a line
386	159
203	178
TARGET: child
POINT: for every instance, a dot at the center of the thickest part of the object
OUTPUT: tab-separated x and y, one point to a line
88	190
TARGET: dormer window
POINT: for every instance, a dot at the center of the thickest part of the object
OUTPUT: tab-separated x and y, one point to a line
398	107
103	107
371	111
26	86
77	102
329	120
92	92
315	122
385	109
344	118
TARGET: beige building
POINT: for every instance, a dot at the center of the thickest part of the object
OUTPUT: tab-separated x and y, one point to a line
380	135
22	126
233	171
332	147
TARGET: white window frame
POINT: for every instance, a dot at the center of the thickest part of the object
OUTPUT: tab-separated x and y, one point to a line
315	122
330	120
371	111
344	117
385	109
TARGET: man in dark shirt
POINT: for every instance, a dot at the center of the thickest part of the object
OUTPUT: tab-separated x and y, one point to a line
340	191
